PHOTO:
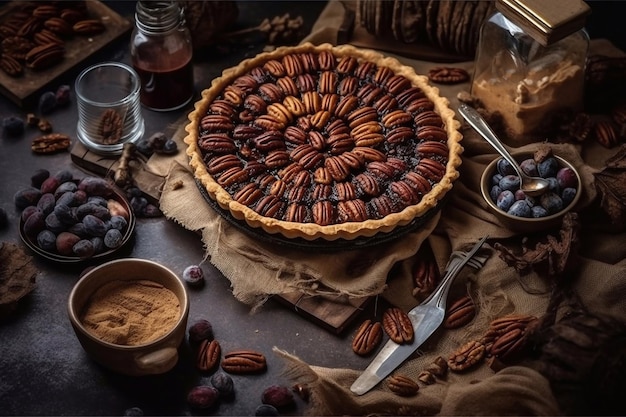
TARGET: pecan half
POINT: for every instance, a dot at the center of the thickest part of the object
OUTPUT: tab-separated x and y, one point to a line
11	66
448	75
88	27
460	312
426	273
403	385
50	143
44	56
397	325
110	127
466	356
506	336
606	134
208	356
244	362
367	337
439	367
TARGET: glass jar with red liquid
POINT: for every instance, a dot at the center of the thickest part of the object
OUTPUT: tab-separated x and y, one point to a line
161	52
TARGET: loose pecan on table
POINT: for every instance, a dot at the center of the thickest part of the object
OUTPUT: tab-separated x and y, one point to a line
506	336
426	273
398	325
50	143
460	312
448	75
468	355
209	353
367	337
402	385
244	361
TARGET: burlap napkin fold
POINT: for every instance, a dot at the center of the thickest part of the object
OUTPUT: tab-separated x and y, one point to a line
257	269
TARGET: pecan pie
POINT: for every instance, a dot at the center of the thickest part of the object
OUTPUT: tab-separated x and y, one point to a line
324	142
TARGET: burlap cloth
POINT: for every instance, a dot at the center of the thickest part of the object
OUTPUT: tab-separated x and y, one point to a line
257	270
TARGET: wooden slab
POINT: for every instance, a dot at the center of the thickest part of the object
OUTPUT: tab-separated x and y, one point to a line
333	315
22	90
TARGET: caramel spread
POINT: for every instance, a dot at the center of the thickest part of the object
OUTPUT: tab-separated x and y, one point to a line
131	312
526	102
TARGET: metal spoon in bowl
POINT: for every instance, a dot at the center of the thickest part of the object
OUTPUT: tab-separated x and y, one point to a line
531	186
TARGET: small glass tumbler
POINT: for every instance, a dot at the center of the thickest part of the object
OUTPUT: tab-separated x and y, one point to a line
109	110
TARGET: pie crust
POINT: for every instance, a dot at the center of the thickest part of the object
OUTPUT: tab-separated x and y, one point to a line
407	150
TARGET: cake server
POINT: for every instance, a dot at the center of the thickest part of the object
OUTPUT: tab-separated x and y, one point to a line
426	318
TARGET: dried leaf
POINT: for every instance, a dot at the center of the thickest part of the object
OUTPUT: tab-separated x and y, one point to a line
611	186
557	254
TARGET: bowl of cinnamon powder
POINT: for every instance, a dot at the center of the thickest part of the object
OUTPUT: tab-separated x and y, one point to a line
130	315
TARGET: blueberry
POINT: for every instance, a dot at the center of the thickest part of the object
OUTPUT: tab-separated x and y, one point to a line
223	383
538	211
520	209
13	126
551	202
567	195
520	195
496	179
46	240
39	177
529	166
63	95
54	224
144	148
150	210
504	168
553	184
83	248
266	410
566	178
47	102
510	182
113	239
118	222
169	147
495	192
138	204
548	167
505	200
193	275
98	244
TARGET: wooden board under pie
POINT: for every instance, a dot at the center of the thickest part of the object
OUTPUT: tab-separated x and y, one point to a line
22	89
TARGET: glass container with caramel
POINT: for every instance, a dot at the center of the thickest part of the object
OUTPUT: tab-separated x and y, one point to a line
530	65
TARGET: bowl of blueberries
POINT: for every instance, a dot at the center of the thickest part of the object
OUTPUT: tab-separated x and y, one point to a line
500	187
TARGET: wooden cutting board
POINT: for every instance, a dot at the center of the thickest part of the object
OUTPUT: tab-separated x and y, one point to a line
23	90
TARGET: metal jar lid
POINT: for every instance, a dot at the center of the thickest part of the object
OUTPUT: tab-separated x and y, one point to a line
547	21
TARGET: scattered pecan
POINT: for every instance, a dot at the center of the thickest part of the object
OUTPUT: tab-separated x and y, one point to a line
426	377
402	385
438	368
460	312
88	27
398	325
581	127
11	66
605	134
244	362
209	354
426	273
367	337
44	125
44	56
466	356
110	127
448	75
506	336
50	143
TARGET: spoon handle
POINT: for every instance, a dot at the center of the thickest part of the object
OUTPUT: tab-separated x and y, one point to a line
480	125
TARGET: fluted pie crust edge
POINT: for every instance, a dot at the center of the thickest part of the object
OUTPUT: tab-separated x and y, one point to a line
312	231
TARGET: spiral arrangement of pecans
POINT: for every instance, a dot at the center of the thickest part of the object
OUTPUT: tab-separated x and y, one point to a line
34	35
324	139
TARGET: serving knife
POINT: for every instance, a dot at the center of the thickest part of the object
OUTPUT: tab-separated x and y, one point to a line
426	318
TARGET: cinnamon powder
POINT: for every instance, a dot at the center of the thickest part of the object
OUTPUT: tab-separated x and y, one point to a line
131	312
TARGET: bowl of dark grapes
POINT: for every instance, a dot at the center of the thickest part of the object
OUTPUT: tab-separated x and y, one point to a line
67	219
500	188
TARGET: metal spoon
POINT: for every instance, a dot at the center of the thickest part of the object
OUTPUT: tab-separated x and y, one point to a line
531	186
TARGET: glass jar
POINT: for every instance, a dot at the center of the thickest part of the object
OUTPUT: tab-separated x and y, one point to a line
530	65
161	53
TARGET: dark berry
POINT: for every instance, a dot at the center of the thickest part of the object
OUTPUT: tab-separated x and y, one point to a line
83	248
510	182
567	195
200	330
202	397
63	95
113	239
505	200
520	209
266	410
548	167
223	383
26	197
278	396
150	210
47	102
169	147
529	166
144	148
194	275
47	240
551	202
538	211
504	168
566	178
495	180
39	177
13	126
495	192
